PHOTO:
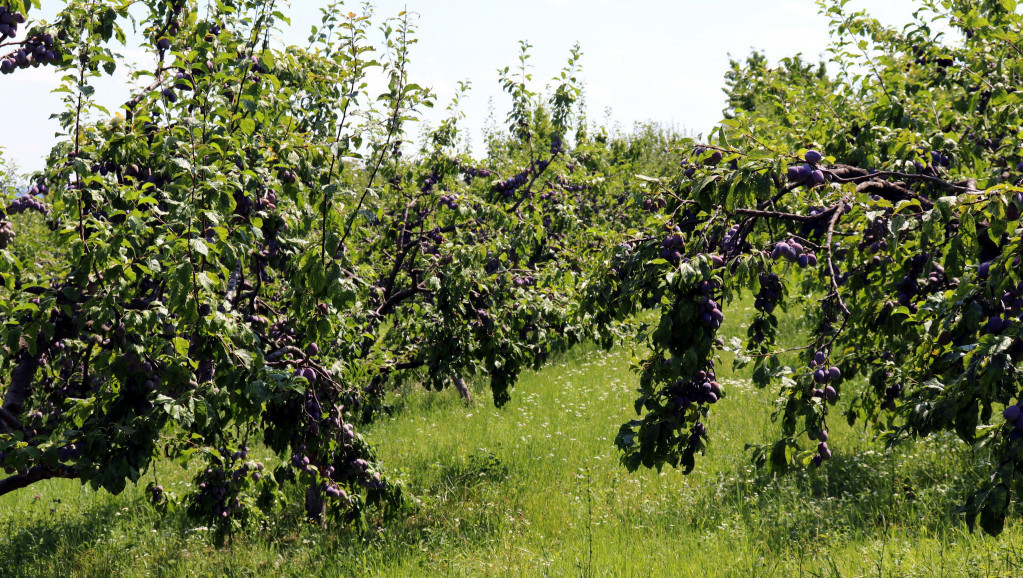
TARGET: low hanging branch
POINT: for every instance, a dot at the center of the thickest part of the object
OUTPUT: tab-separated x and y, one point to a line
36	474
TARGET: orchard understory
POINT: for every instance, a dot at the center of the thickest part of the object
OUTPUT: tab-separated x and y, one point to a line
252	253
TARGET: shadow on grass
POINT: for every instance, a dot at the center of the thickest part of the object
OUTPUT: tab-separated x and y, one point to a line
861	496
43	542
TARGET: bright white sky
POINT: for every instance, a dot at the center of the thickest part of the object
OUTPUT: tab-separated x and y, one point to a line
643	60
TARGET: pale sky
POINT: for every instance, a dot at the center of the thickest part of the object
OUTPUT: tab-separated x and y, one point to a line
643	60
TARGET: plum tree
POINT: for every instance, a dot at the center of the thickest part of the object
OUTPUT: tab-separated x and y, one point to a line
918	280
252	257
254	254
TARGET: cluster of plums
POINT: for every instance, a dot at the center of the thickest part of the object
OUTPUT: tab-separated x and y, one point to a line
169	94
507	187
891	393
555	145
653	204
940	159
470	172
429	182
1000	311
712	159
215	489
68	453
9	21
793	251
213	31
770	292
823	451
710	312
909	287
436	236
449	201
306	372
823	375
806	173
6	233
288	177
282	333
567	186
672	247
701	388
524	281
27	203
268	201
874	236
38	49
733	241
1012	208
39	188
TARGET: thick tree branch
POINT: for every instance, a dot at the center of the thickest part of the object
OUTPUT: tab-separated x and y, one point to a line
891	190
8	422
35	474
850	174
20	388
398	297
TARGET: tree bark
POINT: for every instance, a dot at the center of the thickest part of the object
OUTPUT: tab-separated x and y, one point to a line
33	475
19	390
315	506
463	390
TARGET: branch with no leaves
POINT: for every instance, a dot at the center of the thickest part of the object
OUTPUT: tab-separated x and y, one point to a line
785	216
9	422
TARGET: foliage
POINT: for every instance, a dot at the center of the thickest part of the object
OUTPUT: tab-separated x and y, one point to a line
905	225
250	256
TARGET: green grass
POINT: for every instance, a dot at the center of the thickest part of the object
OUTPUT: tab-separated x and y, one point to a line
535	489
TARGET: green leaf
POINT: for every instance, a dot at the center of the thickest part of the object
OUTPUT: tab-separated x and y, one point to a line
199	246
992	513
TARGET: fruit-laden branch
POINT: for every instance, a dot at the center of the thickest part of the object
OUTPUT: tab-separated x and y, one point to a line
36	474
851	174
786	216
891	190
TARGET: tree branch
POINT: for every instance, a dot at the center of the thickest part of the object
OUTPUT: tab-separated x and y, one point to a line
8	422
785	216
831	264
36	474
888	190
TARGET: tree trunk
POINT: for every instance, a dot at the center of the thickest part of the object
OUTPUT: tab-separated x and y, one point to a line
463	390
19	390
315	506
